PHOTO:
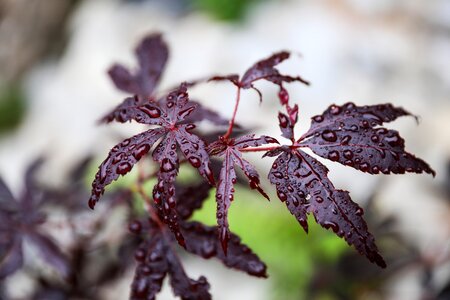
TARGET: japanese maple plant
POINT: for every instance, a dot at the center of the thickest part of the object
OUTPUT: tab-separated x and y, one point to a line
348	134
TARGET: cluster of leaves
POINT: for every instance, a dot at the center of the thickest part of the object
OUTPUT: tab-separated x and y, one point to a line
347	134
29	219
22	219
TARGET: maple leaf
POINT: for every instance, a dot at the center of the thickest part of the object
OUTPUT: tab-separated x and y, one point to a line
348	135
21	220
302	183
156	257
230	150
202	240
152	54
174	135
263	70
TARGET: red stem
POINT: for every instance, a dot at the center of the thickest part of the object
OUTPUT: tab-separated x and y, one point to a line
230	127
260	149
257	149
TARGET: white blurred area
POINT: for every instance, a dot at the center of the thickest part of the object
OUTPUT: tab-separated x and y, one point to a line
370	51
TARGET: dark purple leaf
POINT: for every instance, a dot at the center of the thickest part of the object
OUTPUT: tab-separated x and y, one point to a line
121	160
202	240
123	79
191	198
134	109
164	190
194	149
224	196
265	69
7	202
151	270
50	252
230	150
347	135
182	285
11	255
302	183
152	54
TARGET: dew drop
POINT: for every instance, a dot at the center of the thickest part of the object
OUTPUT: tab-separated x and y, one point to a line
359	211
135	227
394	140
318	119
151	111
123	168
319	199
329	135
167	165
350	105
190	126
270	140
185	112
139	254
282	196
375	169
372	117
354	128
348	154
375	138
141	151
335	110
332	225
172	202
364	167
278	175
333	155
195	161
345	140
125	142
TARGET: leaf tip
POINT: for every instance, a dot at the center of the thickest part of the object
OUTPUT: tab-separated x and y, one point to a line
92	201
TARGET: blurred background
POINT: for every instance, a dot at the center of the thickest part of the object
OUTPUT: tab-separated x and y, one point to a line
54	55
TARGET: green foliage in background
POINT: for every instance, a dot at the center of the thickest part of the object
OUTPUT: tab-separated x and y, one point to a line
12	108
228	10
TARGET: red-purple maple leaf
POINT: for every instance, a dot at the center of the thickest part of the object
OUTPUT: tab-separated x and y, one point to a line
175	135
348	135
152	54
351	135
156	257
263	70
21	220
230	150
